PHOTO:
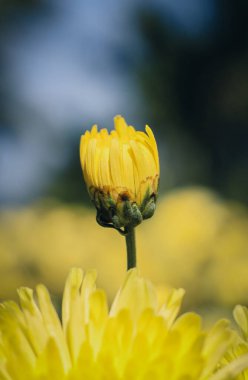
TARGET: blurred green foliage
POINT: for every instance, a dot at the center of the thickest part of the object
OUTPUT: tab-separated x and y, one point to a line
196	94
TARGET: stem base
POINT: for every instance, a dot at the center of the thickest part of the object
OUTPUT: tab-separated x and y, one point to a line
131	248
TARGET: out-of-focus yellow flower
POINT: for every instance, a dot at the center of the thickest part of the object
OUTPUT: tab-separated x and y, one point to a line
204	238
121	171
137	339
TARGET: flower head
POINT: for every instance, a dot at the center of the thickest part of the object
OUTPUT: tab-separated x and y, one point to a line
121	171
137	339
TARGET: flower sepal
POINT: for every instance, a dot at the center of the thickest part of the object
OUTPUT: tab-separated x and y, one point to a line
124	213
120	215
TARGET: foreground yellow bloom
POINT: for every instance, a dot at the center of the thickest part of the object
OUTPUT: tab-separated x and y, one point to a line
121	171
137	339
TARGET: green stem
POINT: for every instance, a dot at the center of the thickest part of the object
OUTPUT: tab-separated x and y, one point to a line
131	248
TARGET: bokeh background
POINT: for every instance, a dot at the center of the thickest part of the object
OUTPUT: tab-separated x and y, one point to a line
180	66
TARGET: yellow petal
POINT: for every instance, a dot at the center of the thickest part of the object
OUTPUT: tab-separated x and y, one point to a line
52	324
240	314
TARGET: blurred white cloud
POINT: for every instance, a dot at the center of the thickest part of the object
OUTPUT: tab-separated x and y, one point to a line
64	72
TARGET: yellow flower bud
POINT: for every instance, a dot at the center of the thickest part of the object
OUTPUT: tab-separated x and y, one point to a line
121	171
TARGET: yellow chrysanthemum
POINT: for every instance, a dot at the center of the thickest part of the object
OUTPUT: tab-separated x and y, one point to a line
121	171
136	339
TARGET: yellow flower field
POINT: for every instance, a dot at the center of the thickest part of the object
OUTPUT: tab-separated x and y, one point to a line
195	241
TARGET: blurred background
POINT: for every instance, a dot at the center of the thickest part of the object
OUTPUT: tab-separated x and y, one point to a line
180	66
